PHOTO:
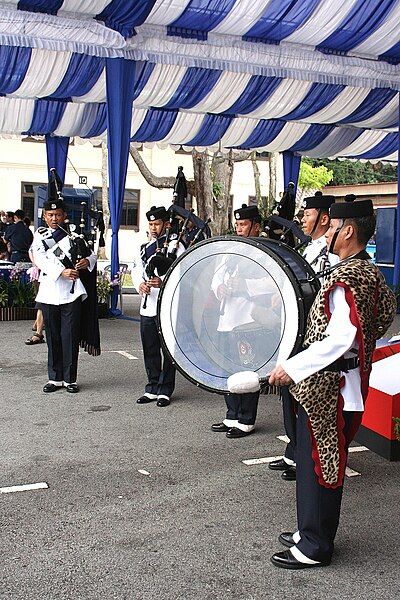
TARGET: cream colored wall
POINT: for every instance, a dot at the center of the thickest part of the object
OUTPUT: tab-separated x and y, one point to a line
26	161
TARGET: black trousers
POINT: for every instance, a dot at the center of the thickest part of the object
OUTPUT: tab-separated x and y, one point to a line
242	407
160	370
289	407
318	507
62	334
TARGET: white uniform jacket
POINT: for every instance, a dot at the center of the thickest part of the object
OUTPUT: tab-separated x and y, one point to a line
317	255
53	288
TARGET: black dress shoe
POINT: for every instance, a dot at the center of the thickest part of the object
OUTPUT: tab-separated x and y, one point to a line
286	560
72	388
289	474
286	539
278	465
163	401
235	432
220	427
145	399
50	387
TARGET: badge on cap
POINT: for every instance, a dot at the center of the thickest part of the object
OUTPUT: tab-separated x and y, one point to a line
237	216
152	218
53	206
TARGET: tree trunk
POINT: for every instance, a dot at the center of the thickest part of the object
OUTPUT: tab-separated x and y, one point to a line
104	196
272	199
222	174
257	183
203	185
161	183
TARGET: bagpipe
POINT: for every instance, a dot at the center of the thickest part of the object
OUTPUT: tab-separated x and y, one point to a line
280	225
182	222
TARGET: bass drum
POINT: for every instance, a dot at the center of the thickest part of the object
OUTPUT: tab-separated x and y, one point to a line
234	304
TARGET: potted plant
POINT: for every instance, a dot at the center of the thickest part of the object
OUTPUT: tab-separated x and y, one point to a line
17	295
104	288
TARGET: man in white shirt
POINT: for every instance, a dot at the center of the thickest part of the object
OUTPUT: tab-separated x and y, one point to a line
60	296
147	279
315	222
235	310
329	380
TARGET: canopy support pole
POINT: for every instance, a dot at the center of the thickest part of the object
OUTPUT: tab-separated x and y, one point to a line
57	153
291	168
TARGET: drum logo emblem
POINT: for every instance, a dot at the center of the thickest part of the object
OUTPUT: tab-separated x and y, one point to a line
246	353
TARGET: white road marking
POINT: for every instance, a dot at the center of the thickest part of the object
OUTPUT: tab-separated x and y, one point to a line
283	438
351	472
123	353
358	449
24	488
143	472
261	461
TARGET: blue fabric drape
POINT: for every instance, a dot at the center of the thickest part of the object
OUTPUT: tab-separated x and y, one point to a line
340	138
143	70
291	169
125	15
386	147
156	125
364	18
392	55
373	103
314	136
212	130
319	96
280	19
47	115
200	17
82	74
264	133
57	152
195	85
14	63
49	7
120	79
257	91
100	122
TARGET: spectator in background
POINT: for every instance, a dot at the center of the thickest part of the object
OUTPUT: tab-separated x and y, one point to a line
3	223
19	237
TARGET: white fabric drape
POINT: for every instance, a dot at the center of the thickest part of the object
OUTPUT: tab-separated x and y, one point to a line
226	91
15	114
334	144
342	106
185	128
138	116
366	141
45	72
238	131
386	36
97	93
290	134
242	17
84	7
324	20
161	86
387	117
165	12
284	99
70	124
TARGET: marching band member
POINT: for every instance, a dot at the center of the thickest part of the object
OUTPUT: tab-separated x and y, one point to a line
315	223
61	295
329	380
241	408
147	279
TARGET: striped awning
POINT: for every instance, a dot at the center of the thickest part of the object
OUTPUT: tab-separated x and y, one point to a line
314	77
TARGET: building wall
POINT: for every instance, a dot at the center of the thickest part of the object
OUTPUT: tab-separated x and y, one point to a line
25	161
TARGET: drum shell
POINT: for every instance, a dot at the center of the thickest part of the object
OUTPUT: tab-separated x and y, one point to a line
182	338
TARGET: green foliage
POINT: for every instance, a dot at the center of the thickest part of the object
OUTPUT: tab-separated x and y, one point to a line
313	177
217	189
18	290
104	287
347	172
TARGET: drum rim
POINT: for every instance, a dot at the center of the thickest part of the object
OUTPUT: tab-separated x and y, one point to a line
252	241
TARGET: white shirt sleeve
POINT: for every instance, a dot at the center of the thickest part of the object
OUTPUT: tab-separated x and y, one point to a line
340	337
45	261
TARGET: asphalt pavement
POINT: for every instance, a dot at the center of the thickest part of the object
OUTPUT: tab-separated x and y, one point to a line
147	503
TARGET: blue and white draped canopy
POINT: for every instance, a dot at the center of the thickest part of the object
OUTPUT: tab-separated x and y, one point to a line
201	80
